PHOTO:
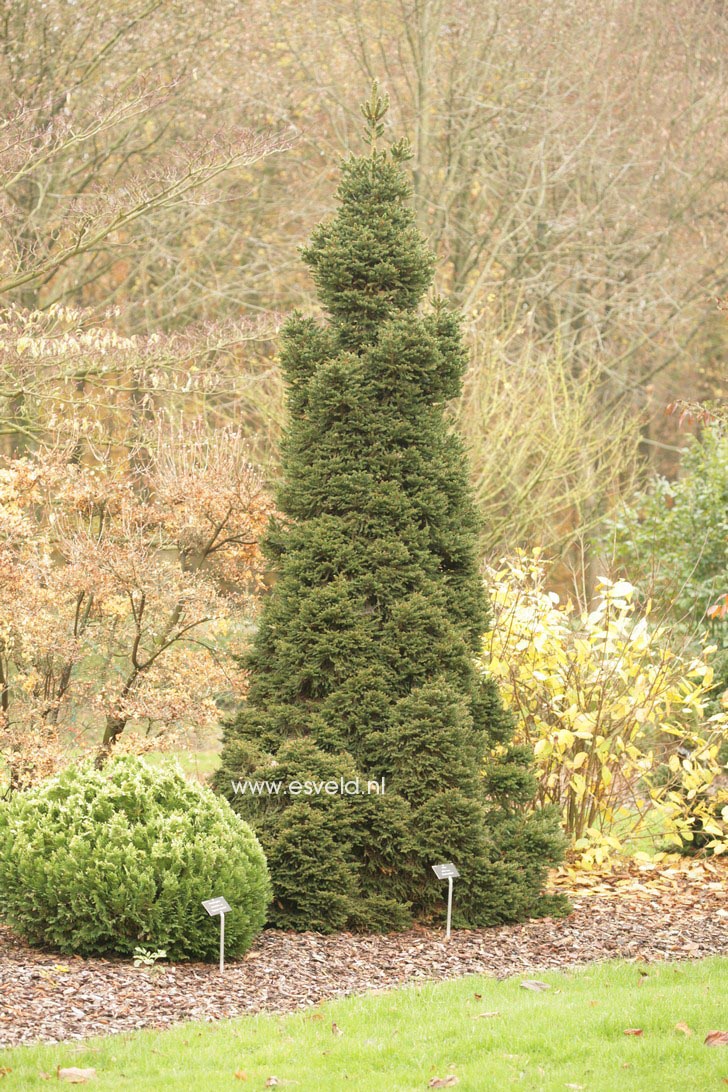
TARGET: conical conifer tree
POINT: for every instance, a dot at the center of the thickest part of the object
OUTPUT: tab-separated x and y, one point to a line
363	663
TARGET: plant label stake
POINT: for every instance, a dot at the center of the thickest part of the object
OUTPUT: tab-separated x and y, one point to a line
447	872
219	906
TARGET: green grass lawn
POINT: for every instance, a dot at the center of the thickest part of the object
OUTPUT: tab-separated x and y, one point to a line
198	765
571	1036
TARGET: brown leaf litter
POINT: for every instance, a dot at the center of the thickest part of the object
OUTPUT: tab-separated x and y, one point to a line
644	912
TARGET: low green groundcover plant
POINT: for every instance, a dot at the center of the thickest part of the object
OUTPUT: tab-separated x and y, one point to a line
99	861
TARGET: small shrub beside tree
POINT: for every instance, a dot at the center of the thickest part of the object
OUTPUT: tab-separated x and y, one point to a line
622	726
671	538
96	861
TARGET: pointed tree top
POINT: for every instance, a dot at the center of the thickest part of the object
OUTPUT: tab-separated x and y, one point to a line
374	109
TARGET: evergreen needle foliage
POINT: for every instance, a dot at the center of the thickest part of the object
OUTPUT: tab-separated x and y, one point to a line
98	861
363	664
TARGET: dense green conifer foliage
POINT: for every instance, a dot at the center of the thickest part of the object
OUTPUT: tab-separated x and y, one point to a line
363	663
100	861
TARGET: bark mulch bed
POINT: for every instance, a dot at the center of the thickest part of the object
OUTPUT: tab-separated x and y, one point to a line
646	912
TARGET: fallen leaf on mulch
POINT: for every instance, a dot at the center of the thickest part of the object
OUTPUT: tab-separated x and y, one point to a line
716	1038
621	876
683	1027
633	1031
534	984
73	1075
443	1082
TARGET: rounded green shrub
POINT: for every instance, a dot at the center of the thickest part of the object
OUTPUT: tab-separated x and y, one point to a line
100	861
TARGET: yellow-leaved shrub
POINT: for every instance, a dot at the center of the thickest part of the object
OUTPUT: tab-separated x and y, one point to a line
616	719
